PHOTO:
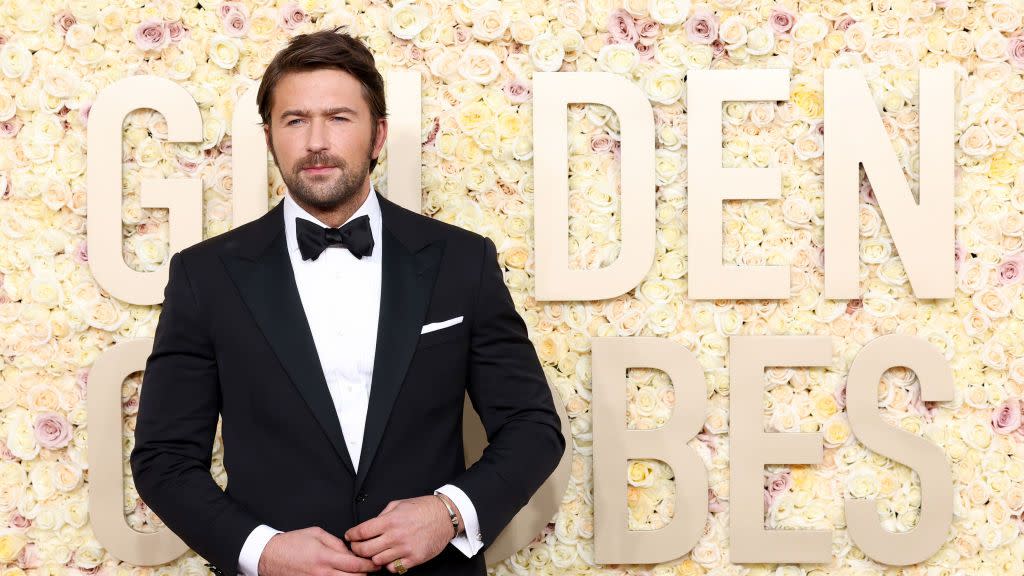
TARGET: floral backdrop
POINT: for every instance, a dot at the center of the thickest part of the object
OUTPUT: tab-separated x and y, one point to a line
477	58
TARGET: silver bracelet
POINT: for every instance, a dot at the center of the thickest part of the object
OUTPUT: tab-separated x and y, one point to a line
451	514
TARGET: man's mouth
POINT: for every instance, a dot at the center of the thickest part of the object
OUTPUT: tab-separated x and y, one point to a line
318	169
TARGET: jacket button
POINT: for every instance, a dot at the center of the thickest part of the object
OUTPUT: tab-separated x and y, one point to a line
361	497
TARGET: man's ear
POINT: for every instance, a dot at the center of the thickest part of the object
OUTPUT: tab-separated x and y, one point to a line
382	136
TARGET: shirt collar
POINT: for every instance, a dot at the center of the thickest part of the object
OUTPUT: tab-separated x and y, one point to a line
370	207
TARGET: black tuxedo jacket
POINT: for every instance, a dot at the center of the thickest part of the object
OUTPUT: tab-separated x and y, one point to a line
233	339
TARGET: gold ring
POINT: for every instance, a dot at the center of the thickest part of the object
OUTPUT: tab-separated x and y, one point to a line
399	567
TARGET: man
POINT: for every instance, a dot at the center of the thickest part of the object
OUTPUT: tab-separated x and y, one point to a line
338	359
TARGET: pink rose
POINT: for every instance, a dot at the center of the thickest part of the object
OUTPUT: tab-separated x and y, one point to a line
1015	50
433	132
292	16
176	31
844	22
64	20
853	305
151	35
702	27
82	376
16	520
234	18
52	430
647	30
717	48
81	253
83	112
10	128
715	505
1010	270
778	482
1006	418
602	143
840	392
769	499
781	20
30	558
131	405
622	27
646	51
867	193
518	91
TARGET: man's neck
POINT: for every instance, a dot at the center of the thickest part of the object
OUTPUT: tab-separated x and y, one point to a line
335	217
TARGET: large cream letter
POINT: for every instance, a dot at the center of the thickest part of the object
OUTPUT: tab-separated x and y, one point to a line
923	230
553	91
750	448
250	198
182	196
614	542
710	184
936	379
106	460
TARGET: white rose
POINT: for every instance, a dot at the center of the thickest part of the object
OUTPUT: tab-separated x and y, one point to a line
490	24
733	32
669	12
525	31
991	46
1002	16
21	437
760	41
975	141
78	35
223	51
572	14
664	85
15	61
407	19
479	64
809	28
618	58
547	53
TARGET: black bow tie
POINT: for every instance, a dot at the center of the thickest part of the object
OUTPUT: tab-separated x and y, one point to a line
354	235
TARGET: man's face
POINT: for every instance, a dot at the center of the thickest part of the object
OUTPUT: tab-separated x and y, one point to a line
322	136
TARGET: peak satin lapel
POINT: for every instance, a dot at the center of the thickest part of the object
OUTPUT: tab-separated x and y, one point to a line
266	281
407	280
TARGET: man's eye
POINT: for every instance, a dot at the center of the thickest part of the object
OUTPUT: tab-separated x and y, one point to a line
341	118
290	122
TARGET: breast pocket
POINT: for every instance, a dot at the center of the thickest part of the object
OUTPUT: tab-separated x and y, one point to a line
446	333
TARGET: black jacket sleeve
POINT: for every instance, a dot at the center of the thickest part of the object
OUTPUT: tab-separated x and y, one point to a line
510	393
177	419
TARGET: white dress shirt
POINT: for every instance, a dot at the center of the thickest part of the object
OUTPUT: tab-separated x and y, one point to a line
344	328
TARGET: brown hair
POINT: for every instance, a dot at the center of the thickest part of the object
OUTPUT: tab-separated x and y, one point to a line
326	49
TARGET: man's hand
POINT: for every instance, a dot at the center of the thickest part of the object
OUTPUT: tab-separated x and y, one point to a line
310	551
414	529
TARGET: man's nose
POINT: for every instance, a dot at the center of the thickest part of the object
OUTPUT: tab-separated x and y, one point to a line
316	136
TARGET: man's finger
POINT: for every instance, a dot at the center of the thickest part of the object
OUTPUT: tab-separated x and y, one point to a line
372	527
332	542
367	548
350	562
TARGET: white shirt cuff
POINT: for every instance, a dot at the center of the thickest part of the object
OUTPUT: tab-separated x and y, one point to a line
468	546
249	557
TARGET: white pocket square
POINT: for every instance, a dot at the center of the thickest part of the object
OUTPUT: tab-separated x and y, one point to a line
438	325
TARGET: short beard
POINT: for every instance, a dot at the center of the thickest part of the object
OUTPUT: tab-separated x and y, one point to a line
325	195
